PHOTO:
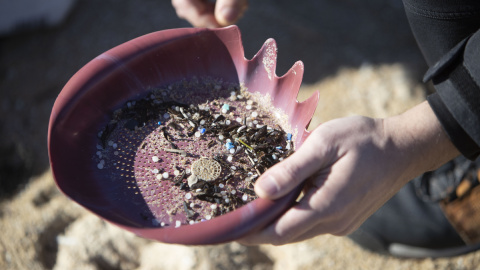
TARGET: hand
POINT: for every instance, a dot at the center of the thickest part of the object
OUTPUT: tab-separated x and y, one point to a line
203	13
350	167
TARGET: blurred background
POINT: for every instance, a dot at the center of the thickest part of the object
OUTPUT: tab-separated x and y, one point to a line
361	56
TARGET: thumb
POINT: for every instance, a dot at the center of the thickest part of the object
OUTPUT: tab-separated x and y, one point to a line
228	12
288	174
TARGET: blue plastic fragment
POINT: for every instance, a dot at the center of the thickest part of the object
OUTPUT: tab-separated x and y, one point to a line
159	123
289	136
229	145
226	107
202	130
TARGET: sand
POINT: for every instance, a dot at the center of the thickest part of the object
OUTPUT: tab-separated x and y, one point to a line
360	56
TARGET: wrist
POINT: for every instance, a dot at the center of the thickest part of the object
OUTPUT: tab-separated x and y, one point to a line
418	141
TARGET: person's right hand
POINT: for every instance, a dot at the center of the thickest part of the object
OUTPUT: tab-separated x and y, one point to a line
203	13
350	167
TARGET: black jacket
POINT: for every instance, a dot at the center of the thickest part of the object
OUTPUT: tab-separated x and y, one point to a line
448	35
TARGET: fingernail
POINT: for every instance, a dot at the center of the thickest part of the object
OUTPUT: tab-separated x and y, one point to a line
229	14
267	185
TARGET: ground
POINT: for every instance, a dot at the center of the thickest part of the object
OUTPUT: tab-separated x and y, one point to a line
361	56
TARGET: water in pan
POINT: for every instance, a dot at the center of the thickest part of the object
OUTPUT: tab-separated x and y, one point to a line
192	149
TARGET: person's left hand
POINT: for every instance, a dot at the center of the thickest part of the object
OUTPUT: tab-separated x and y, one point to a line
203	13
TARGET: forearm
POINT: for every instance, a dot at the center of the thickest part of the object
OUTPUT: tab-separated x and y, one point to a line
417	141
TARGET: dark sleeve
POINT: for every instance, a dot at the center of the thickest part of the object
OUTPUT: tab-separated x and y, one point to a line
448	35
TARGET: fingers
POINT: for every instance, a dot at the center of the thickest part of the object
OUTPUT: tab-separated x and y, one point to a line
198	12
203	13
299	220
288	174
228	12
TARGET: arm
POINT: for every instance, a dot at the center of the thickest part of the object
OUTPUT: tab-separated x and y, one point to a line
351	166
448	35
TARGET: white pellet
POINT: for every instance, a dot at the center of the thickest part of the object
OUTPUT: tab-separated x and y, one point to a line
245	197
178	223
155	159
165	175
188	196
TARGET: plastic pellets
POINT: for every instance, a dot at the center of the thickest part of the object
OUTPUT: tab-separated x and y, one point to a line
202	122
197	134
178	223
245	197
233	192
155	159
165	175
228	122
239	119
221	137
176	172
101	164
227	200
213	206
159	177
254	114
166	115
248	107
232	151
274	157
155	171
202	131
188	196
229	158
221	185
225	108
249	102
